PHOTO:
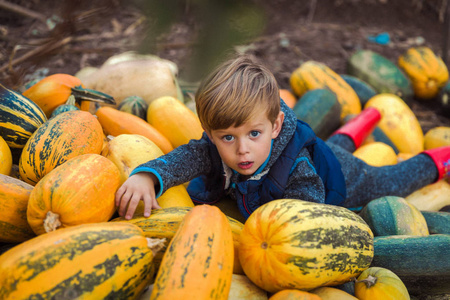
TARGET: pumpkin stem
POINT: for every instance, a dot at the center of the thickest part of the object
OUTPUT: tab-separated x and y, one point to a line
369	281
156	244
51	222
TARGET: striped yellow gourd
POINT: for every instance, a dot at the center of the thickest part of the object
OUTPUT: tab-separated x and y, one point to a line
315	75
91	261
298	244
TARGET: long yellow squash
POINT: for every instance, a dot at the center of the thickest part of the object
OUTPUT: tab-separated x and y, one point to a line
90	261
289	243
398	122
198	263
315	75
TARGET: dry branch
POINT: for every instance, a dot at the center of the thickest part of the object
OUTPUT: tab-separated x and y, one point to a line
22	11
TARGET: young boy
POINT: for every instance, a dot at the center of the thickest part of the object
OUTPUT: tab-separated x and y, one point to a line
255	150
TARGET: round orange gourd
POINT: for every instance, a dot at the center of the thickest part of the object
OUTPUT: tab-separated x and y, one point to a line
288	97
80	191
5	158
332	293
303	245
380	283
116	122
14	195
175	120
65	136
294	295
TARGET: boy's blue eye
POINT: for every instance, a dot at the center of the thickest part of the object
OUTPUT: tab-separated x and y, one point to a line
254	133
227	138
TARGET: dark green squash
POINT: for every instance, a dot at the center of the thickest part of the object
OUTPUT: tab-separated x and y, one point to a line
437	221
63	108
134	105
321	109
362	88
444	99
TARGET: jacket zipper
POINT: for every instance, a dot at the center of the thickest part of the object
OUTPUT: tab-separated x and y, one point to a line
245	206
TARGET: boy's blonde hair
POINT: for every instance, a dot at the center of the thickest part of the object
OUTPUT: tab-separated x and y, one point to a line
235	92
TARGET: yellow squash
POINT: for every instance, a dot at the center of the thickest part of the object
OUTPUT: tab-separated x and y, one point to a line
315	75
427	72
332	293
376	154
380	283
5	157
437	137
432	197
398	122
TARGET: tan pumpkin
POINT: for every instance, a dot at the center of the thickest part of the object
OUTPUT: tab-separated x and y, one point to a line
14	195
174	120
243	288
59	139
199	260
331	293
294	295
5	157
432	197
380	283
116	122
80	191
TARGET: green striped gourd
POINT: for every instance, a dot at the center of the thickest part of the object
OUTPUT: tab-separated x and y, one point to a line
134	105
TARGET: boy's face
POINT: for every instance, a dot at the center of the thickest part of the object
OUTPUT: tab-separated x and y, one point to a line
246	148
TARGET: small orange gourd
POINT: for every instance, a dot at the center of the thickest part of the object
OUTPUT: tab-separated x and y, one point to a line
80	191
380	283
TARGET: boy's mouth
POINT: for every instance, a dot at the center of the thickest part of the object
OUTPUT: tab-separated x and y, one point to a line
245	165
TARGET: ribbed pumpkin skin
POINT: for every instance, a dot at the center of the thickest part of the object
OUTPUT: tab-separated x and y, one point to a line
52	91
392	215
58	140
294	295
91	261
303	245
14	196
175	120
164	223
134	105
19	117
5	157
315	75
437	137
198	263
81	190
398	122
427	72
116	122
388	286
376	154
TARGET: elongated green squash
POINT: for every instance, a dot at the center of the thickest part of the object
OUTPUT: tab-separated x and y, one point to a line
421	262
91	261
321	109
381	73
289	243
364	90
437	221
199	261
392	215
19	117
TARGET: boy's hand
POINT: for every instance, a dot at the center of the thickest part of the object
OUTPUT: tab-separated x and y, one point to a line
140	186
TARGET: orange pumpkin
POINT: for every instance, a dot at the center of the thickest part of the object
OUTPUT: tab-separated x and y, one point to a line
288	97
14	195
65	136
55	90
80	191
116	122
5	157
380	283
294	295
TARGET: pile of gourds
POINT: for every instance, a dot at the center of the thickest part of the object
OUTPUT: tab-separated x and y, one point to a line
68	142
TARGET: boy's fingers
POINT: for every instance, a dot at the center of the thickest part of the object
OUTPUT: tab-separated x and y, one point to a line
132	204
155	204
119	195
147	205
126	197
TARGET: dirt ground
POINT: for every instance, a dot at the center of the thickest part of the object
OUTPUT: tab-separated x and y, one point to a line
328	31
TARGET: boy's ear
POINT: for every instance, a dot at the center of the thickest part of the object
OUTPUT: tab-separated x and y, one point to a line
276	128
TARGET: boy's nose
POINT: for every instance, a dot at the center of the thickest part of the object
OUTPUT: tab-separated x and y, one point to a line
242	147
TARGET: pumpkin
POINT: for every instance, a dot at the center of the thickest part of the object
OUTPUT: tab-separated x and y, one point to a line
303	245
401	156
164	223
380	283
146	77
398	122
437	221
392	215
377	135
14	194
174	120
55	90
288	97
5	157
58	140
134	105
80	191
19	117
315	75
116	122
432	197
427	72
331	293
63	108
90	261
437	137
376	154
294	295
243	289
199	260
364	90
